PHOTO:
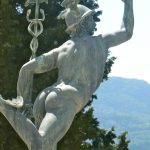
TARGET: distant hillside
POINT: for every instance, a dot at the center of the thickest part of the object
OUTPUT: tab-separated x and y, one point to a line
125	104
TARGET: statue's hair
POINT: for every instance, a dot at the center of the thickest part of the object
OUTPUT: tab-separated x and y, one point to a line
81	27
64	2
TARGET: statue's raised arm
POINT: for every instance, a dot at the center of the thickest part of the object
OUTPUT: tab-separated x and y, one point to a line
126	31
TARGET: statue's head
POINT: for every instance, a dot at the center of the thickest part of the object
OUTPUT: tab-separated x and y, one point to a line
80	22
69	3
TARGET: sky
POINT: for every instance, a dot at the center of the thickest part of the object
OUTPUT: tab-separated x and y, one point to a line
133	57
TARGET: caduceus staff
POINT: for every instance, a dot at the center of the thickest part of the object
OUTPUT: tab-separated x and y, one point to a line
35	27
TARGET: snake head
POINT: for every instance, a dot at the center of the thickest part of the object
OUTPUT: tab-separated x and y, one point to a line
28	2
46	1
28	15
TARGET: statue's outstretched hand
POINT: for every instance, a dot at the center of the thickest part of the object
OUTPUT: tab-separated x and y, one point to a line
26	110
17	102
125	1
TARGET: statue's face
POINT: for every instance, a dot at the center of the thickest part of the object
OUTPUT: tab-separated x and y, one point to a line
68	4
87	27
71	3
90	25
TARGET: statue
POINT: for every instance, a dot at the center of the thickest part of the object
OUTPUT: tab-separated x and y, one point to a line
80	61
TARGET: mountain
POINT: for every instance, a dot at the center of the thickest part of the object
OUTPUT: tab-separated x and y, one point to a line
125	104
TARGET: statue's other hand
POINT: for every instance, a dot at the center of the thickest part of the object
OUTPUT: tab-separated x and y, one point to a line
27	110
1	102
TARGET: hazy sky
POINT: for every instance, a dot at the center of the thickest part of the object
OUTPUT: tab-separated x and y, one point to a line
133	57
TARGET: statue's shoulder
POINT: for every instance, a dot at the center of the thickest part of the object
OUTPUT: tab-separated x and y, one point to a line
98	38
66	46
100	42
68	43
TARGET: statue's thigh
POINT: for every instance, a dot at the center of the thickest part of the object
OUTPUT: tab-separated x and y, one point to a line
39	106
60	112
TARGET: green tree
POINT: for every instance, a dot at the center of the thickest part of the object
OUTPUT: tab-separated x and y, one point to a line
12	46
123	142
84	133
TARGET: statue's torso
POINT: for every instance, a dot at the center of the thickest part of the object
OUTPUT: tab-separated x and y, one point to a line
81	63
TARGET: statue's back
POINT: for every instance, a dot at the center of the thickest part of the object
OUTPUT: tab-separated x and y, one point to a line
82	62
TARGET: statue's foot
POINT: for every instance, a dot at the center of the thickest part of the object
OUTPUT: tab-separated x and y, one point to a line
1	103
1	99
17	103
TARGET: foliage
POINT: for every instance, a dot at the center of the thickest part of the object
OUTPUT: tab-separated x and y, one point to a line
108	66
85	133
123	143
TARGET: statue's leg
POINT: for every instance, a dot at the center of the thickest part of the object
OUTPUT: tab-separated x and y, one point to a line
39	106
60	112
23	126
